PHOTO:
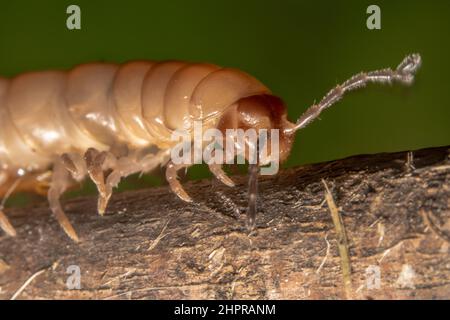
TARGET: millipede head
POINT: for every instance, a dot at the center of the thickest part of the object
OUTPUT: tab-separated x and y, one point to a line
263	113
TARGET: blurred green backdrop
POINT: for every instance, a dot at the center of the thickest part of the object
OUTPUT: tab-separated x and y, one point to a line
299	49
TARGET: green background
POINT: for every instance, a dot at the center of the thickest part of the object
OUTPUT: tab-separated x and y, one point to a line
298	49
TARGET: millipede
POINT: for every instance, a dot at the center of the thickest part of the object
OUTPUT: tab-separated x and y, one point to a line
107	121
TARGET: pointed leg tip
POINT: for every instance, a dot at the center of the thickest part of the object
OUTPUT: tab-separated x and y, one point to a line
102	204
10	231
226	181
71	233
101	209
229	182
185	197
65	224
6	226
174	183
251	224
220	174
182	194
75	238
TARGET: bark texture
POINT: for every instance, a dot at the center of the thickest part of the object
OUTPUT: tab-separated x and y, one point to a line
151	245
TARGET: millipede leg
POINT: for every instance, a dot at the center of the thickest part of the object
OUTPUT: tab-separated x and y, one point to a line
126	166
96	163
75	164
60	181
5	225
252	195
123	167
220	174
172	178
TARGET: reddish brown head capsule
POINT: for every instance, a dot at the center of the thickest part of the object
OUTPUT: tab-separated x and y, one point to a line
261	112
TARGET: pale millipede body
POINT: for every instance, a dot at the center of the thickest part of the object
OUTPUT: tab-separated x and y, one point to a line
57	127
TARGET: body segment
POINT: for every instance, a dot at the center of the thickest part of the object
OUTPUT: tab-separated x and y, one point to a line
102	116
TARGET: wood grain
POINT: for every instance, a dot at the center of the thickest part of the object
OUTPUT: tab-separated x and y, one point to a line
150	245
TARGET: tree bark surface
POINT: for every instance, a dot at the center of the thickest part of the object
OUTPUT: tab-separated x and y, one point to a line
150	245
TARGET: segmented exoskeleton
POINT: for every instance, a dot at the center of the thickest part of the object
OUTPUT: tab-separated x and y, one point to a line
58	127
